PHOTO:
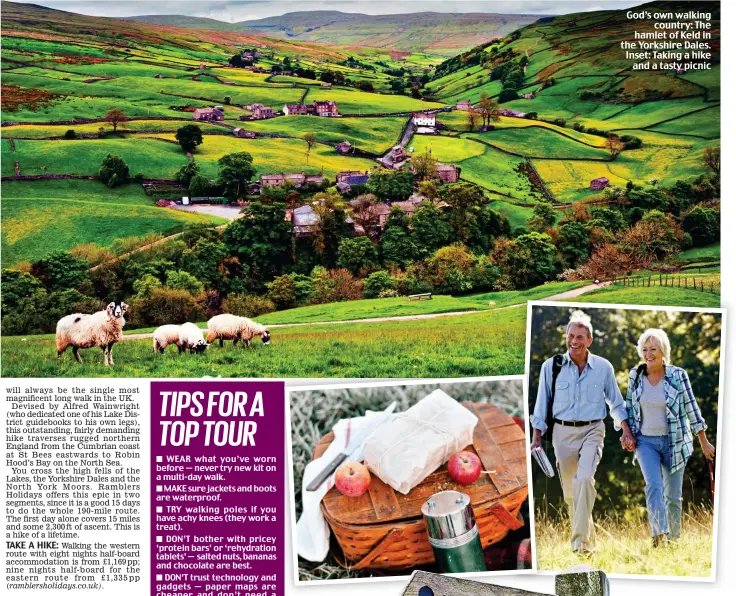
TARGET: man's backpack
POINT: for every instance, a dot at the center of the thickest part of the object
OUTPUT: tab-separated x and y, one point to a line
557	361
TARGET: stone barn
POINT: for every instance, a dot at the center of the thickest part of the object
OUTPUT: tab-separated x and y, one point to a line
599	183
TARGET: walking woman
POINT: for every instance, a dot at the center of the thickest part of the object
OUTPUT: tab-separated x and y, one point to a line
663	415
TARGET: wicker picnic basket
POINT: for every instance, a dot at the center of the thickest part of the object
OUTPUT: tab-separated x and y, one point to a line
383	529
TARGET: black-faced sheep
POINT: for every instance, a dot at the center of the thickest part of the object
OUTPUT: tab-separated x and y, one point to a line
228	326
101	329
191	338
165	336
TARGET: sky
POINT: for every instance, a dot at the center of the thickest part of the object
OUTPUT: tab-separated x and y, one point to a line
232	11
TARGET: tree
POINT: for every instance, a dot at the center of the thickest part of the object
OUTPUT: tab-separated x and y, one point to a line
507	95
574	244
236	170
397	247
649	198
449	269
704	225
186	173
115	116
429	230
712	159
208	260
199	187
528	260
356	254
610	219
397	86
61	270
188	137
282	292
544	218
615	146
472	118
655	238
236	61
227	99
430	189
488	109
391	185
377	282
260	239
70	134
145	285
364	213
331	228
424	166
114	171
311	140
183	280
464	202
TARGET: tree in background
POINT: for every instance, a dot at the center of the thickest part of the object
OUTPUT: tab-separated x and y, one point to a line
472	119
424	166
357	254
712	159
397	247
311	140
429	230
573	243
464	202
115	116
186	173
703	225
391	185
615	146
188	137
488	109
544	217
528	260
61	270
183	280
114	171
236	170
199	187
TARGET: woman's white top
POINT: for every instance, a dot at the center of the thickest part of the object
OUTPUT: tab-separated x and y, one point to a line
653	410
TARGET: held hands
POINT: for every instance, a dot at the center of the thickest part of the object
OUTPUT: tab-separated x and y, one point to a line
628	442
537	439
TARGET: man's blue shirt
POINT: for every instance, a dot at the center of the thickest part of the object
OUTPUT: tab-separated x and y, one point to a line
579	396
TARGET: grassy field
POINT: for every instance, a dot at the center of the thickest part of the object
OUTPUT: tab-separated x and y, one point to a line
41	131
702	252
66	213
360	102
624	546
653	296
540	142
375	135
486	343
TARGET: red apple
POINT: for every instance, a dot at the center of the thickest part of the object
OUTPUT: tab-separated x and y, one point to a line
464	467
352	479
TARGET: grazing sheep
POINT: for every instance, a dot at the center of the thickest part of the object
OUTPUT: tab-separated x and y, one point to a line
191	338
101	329
165	336
227	326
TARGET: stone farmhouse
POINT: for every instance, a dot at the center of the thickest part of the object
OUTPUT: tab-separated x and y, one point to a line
241	133
599	183
209	114
448	172
512	113
261	112
326	109
343	148
353	177
297	179
465	105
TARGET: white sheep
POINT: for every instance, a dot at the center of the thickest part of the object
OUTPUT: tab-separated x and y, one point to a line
191	338
164	336
228	326
101	329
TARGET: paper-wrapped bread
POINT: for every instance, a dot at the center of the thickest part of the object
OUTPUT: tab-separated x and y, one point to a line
413	444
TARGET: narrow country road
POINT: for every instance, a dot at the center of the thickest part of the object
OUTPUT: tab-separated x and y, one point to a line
563	296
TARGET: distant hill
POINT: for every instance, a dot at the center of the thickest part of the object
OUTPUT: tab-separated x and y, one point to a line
446	34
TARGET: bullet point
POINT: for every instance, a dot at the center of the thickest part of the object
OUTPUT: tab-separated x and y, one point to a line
159	578
159	488
159	458
159	538
159	509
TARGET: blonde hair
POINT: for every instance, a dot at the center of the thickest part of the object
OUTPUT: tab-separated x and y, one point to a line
660	338
578	317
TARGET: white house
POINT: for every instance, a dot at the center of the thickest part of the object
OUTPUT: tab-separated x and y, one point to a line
423	119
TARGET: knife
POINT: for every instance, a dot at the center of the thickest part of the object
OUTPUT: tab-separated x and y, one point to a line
353	444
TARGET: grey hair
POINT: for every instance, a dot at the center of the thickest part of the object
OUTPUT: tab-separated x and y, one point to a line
660	337
578	317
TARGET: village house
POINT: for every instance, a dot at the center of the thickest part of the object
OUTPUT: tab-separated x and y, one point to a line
343	148
304	221
326	85
297	179
528	96
241	133
352	177
398	153
465	105
326	109
209	114
202	66
423	119
447	172
378	212
261	112
599	183
297	109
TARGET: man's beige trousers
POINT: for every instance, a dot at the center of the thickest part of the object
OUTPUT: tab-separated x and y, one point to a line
578	450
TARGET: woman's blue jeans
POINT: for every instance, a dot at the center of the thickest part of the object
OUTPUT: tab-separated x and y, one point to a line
663	490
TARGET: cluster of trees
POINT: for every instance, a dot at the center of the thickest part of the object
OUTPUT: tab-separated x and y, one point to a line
511	74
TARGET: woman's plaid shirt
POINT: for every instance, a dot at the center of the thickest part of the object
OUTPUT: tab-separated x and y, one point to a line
683	415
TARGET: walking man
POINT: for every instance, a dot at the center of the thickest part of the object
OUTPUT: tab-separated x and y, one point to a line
584	384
